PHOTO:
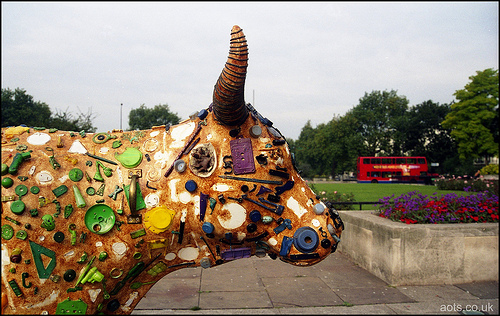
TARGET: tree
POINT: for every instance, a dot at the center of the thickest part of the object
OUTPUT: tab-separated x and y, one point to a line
18	108
65	121
144	118
473	120
379	118
303	150
426	137
346	144
330	148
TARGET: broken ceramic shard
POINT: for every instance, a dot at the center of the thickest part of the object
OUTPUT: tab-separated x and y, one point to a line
38	139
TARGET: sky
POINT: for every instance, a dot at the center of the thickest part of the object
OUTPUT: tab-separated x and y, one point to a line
308	61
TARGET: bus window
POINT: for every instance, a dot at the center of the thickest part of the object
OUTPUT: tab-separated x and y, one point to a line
410	160
398	173
400	160
375	161
375	174
421	161
387	161
386	174
366	161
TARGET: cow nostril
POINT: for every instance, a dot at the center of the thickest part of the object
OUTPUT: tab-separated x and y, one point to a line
305	239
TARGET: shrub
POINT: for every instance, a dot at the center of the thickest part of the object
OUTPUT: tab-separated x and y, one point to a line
416	208
490	169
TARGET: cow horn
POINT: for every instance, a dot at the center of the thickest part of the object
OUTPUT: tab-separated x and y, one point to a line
228	99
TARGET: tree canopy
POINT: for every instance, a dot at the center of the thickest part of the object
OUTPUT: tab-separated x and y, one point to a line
19	108
473	120
144	118
379	119
424	135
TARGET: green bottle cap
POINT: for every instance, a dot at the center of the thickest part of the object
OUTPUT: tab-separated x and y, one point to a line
76	174
17	207
21	190
7	182
7	232
35	189
90	191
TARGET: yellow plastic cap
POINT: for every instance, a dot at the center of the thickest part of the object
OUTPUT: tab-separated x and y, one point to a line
159	219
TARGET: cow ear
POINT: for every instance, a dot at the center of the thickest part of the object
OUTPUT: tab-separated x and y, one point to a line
228	102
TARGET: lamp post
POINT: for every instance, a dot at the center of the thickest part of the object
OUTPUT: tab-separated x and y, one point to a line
121	107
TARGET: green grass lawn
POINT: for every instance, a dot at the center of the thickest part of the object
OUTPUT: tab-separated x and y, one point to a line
372	192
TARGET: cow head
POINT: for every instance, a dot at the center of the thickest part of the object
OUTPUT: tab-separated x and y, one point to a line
88	218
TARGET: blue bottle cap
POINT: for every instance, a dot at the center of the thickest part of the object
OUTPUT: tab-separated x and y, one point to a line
207	227
190	185
202	114
255	216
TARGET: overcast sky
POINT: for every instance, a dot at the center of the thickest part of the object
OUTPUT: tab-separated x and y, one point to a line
307	60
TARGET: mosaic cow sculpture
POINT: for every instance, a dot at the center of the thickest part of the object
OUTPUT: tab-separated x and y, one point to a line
91	221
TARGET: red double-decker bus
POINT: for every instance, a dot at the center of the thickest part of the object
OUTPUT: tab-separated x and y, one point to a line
393	170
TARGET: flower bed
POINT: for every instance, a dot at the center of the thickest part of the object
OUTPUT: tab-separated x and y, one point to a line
416	208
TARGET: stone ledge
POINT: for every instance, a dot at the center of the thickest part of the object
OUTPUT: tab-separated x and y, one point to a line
421	254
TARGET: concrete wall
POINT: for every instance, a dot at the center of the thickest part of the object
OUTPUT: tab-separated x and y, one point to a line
419	254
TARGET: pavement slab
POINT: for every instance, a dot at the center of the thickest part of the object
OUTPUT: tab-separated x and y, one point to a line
483	290
234	278
232	299
436	293
300	291
373	295
262	286
171	292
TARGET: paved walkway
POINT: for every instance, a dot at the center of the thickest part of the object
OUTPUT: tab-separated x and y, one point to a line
262	286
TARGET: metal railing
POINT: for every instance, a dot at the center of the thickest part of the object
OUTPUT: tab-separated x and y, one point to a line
354	203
